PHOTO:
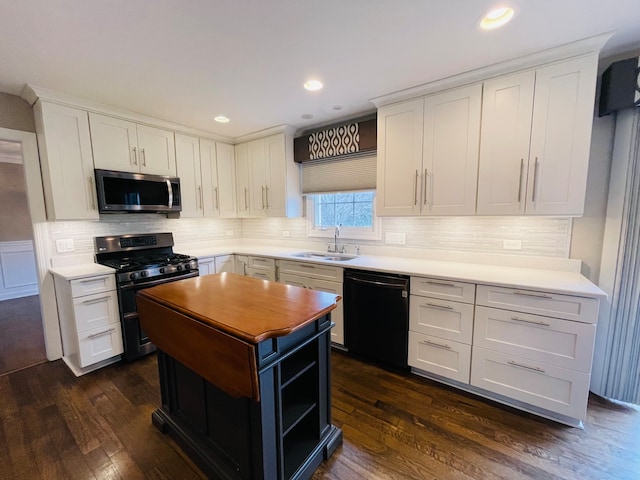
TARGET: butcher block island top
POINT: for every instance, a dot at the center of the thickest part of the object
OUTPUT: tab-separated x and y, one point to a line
249	309
244	369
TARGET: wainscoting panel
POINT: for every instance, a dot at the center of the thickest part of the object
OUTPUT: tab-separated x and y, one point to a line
18	276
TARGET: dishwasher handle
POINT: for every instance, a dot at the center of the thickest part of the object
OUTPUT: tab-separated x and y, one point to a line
398	286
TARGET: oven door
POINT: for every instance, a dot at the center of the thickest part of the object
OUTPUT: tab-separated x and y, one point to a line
135	339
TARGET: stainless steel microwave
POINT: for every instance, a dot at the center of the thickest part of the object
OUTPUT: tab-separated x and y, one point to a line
137	192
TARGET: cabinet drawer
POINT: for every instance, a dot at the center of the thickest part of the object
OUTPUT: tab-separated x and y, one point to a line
93	311
444	289
294	280
558	342
263	274
90	285
442	357
570	307
99	344
261	263
547	386
440	318
313	270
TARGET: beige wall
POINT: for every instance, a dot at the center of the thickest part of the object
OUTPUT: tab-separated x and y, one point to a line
16	113
15	222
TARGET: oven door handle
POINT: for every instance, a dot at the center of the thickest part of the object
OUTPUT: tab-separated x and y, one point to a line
153	283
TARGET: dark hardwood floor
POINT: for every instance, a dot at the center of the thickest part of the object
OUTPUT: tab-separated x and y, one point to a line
396	426
21	334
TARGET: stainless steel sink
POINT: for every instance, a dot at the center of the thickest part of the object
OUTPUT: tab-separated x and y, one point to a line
333	257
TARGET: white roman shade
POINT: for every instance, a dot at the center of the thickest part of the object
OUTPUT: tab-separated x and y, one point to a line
339	174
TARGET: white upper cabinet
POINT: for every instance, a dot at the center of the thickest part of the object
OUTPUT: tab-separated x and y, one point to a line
450	151
428	154
67	163
129	147
218	179
536	130
188	169
267	179
400	132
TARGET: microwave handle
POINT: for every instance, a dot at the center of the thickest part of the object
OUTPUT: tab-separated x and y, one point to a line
170	191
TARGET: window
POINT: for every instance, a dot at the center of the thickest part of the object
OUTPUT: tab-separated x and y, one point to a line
354	212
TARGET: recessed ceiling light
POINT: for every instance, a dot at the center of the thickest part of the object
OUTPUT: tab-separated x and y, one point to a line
306	116
496	18
313	85
221	119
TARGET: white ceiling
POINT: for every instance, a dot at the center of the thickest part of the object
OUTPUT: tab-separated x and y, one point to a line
187	61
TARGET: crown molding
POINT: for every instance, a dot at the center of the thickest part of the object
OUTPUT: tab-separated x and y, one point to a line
591	45
286	129
33	93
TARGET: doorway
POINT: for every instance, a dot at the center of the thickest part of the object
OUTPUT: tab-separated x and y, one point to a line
21	328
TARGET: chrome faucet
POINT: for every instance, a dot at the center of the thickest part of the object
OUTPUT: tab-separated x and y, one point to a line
336	234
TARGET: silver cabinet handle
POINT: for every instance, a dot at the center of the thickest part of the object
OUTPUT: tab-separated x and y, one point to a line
95	300
217	198
447	307
436	344
531	294
143	156
200	197
263	197
446	284
305	265
415	190
94	335
135	155
535	180
267	195
516	364
426	176
520	180
246	204
534	322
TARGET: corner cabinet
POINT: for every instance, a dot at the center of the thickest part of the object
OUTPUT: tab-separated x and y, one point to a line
267	178
66	161
536	130
130	147
428	154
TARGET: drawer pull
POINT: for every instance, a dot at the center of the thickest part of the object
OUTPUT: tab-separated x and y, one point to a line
531	294
543	324
535	369
95	300
445	284
304	265
435	344
94	335
447	307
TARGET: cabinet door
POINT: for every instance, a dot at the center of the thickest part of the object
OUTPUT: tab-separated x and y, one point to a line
188	169
67	162
206	266
442	357
242	178
507	106
94	311
157	151
225	263
115	144
209	170
560	137
400	131
226	194
276	185
258	178
450	151
99	344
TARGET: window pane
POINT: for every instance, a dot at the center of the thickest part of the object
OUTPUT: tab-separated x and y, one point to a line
350	209
363	196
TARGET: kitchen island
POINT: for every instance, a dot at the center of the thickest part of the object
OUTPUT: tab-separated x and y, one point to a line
244	374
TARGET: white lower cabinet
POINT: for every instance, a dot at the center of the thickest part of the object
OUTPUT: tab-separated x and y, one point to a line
443	357
216	264
89	322
553	388
324	278
256	267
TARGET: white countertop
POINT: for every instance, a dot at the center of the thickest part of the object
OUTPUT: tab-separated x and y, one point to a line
553	281
83	270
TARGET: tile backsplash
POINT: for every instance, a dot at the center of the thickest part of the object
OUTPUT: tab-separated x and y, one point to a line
537	236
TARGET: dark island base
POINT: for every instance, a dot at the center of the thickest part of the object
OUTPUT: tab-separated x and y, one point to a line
286	435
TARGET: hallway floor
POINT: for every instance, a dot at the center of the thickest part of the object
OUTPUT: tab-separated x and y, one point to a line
21	336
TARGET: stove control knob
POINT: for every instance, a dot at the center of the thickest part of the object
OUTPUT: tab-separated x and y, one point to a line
144	273
179	267
187	266
133	276
162	270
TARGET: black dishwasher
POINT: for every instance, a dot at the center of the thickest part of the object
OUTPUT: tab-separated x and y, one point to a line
376	316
